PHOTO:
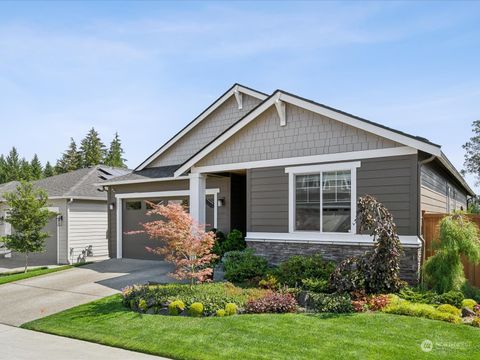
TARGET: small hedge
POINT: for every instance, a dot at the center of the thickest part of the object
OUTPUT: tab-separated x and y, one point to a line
421	310
454	298
450	309
244	266
309	272
213	296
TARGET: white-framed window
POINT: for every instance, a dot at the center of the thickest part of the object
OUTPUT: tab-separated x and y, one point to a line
322	198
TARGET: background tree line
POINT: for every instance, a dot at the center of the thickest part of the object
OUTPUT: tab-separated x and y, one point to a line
92	151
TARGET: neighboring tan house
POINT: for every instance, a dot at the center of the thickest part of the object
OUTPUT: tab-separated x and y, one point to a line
288	172
80	228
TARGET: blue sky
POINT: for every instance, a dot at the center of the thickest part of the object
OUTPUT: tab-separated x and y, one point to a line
145	69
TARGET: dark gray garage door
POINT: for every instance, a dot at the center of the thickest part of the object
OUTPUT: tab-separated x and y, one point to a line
134	213
49	256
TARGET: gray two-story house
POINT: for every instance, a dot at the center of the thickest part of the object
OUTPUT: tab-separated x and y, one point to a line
288	172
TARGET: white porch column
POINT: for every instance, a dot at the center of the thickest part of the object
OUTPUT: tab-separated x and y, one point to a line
197	197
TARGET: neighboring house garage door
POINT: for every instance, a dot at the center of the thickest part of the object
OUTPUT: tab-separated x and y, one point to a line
49	256
134	213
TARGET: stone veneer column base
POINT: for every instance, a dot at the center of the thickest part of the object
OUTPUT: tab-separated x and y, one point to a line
276	252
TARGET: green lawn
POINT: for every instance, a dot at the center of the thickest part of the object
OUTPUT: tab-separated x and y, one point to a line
9	277
291	336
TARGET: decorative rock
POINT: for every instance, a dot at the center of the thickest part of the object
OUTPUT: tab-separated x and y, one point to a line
466	312
150	311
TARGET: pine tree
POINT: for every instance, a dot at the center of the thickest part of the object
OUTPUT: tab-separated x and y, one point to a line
25	170
71	159
114	156
48	170
36	168
3	174
12	166
92	149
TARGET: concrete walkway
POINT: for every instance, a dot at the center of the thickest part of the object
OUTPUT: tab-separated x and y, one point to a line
33	298
20	344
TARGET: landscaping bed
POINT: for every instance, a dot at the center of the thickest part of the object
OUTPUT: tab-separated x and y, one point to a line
268	336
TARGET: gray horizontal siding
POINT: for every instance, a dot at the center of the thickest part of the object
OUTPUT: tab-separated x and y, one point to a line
392	180
436	179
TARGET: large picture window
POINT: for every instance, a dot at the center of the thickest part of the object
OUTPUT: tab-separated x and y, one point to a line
322	200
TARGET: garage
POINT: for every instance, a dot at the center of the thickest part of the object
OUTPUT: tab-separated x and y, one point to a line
49	256
135	213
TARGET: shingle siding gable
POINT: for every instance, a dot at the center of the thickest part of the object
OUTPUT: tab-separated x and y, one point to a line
306	133
210	127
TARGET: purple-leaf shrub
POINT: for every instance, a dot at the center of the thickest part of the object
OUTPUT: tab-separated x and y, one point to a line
273	302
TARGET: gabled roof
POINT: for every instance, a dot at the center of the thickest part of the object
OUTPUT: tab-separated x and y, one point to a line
346	118
224	97
78	184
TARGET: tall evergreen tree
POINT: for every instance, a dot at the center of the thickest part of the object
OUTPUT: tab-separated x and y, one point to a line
114	156
48	170
12	166
36	168
472	153
70	160
92	149
3	174
25	170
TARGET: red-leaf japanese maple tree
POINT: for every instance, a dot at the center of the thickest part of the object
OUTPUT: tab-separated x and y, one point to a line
184	242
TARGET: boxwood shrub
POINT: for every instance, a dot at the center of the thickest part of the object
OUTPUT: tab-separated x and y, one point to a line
329	303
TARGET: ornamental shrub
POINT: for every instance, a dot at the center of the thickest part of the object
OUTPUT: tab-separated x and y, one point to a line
378	302
329	303
220	313
476	322
359	305
213	296
469	303
418	296
471	292
231	309
447	308
421	310
454	298
234	241
443	271
142	305
378	270
196	309
476	308
273	302
242	266
293	271
176	307
315	285
269	282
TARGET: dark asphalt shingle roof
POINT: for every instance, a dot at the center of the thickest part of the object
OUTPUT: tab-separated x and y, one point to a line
149	173
75	184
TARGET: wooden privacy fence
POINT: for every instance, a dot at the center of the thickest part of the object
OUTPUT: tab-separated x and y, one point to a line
430	230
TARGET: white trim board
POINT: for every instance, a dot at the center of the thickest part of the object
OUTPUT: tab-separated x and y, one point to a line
325	158
237	88
334	238
140	181
316	108
155	194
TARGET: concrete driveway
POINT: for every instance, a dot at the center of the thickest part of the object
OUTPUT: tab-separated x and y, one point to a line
33	298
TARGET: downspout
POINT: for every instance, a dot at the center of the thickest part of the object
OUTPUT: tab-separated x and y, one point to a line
68	227
420	222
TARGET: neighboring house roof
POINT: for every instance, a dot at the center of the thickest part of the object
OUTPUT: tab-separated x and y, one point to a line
236	88
145	175
78	184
